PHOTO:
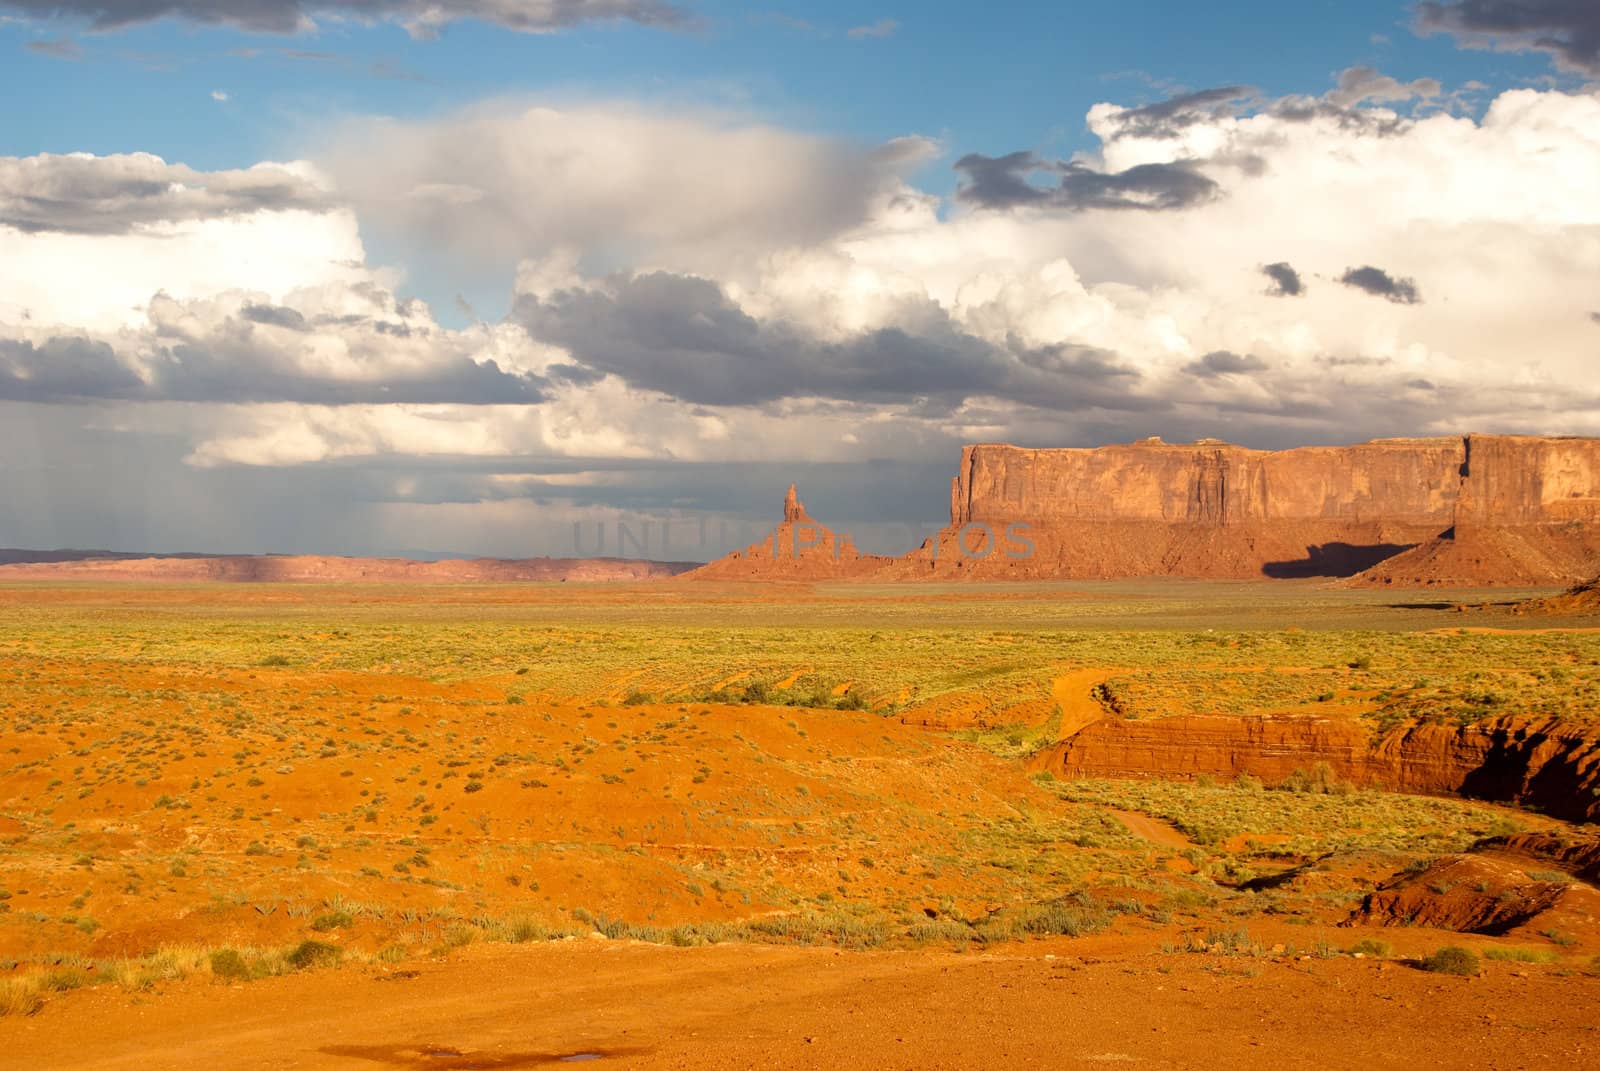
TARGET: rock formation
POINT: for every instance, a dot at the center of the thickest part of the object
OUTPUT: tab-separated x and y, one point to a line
1547	763
800	548
1579	599
1462	510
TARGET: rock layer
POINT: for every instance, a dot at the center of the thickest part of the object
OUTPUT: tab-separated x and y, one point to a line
1547	765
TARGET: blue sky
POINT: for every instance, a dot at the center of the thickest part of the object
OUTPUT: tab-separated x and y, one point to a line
987	78
696	263
983	77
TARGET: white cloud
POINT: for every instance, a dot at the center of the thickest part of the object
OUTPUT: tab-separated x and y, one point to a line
838	294
622	184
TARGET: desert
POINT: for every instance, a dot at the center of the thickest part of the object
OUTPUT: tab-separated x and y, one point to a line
690	534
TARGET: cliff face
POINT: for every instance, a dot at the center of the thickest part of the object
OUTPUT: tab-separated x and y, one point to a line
1544	764
1478	509
1403	481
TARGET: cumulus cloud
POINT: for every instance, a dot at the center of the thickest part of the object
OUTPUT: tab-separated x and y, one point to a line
817	308
1567	29
1006	182
421	17
1380	283
1285	280
617	181
83	194
684	337
1357	85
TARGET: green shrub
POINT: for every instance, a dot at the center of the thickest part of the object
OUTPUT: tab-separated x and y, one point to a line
229	965
313	954
1452	959
331	920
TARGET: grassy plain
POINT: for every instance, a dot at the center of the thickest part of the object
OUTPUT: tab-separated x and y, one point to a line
245	781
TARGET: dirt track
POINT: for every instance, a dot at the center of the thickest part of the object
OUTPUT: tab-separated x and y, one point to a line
1043	1005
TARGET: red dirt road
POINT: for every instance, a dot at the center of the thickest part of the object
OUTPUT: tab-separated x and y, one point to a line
1044	1004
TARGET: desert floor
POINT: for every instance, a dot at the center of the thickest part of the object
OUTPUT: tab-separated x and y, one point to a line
676	825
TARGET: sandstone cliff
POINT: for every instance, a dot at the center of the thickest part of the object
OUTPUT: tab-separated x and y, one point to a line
1545	764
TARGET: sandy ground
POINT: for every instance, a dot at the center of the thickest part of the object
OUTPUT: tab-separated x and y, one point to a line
1046	1004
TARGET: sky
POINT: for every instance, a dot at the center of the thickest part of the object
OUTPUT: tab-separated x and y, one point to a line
516	277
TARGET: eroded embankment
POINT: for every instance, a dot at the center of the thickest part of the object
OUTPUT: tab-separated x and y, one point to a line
1547	765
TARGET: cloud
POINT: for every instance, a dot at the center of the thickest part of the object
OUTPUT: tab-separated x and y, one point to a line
703	295
622	182
1224	363
220	96
1004	182
334	346
1567	29
880	29
56	48
106	195
685	338
1357	85
423	18
1285	280
1166	118
1380	283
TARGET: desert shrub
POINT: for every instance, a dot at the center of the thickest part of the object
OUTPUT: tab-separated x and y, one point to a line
272	661
331	920
1452	959
313	954
228	965
19	996
1520	955
1367	946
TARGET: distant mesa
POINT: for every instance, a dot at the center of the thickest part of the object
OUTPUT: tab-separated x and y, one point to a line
1458	511
102	565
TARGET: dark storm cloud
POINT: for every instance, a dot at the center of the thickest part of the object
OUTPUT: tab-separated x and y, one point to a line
1002	182
1380	283
421	16
102	195
227	367
1172	116
62	369
1567	29
683	336
1285	280
1224	363
275	316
